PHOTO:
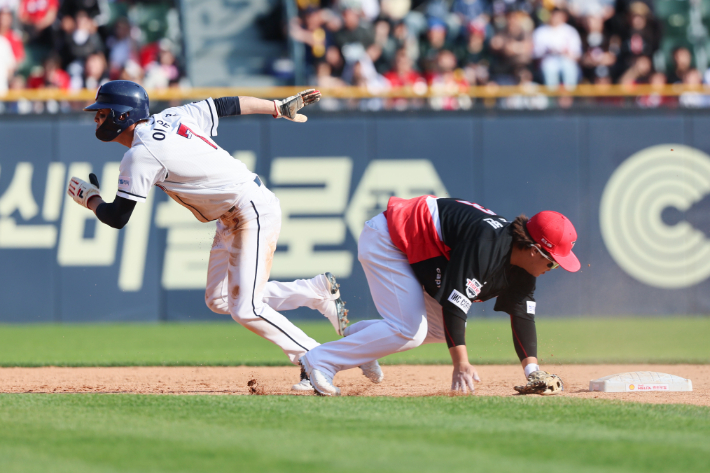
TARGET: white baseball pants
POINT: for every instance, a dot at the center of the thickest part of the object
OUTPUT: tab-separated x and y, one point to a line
238	274
409	316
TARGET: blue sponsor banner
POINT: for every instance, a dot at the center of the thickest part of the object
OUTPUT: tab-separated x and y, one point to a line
637	188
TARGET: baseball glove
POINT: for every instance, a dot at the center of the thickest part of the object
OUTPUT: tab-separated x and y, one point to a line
288	108
542	382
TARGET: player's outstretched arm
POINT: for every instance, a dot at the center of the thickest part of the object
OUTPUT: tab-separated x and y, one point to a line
287	108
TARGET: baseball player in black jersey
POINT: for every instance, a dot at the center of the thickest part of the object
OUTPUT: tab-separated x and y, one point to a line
427	260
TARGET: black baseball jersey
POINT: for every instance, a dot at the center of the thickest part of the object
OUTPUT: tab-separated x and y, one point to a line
460	252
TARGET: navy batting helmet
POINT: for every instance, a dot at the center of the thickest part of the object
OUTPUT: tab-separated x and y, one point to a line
128	103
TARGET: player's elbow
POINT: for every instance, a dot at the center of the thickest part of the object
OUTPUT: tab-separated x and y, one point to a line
117	224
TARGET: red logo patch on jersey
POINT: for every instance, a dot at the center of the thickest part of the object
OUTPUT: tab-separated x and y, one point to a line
473	288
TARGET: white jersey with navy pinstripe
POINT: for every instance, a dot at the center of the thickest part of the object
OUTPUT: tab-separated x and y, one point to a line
173	151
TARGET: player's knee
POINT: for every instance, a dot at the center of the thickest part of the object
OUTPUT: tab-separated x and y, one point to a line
243	309
416	333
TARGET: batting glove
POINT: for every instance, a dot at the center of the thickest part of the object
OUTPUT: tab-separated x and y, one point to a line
288	108
82	191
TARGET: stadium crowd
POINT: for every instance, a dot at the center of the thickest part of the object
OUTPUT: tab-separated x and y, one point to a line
377	45
452	44
75	44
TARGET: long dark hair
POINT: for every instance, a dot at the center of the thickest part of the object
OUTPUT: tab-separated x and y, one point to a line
521	237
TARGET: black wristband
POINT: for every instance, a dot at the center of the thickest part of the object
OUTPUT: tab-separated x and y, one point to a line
228	106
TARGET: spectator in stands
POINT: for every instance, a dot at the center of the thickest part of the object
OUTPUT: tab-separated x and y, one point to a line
447	79
639	38
7	18
133	72
558	47
95	71
656	99
50	75
598	56
401	37
37	16
693	99
511	48
7	64
325	79
476	49
403	73
362	74
446	76
432	44
122	47
529	101
310	30
682	60
355	36
384	48
164	72
79	40
639	73
335	60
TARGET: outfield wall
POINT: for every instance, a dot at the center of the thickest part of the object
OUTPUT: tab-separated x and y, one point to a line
636	186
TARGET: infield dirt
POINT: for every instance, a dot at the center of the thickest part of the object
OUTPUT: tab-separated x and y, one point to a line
400	380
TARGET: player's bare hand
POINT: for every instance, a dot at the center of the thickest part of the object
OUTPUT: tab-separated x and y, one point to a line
82	191
288	108
463	377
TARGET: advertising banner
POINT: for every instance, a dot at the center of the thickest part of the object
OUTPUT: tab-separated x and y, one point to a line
637	188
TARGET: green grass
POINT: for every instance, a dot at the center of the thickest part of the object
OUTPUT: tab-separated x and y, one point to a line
573	340
132	433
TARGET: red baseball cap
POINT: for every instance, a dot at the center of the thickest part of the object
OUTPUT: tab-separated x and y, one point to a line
556	234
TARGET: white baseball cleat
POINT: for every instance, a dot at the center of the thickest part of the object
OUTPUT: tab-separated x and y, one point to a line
321	382
336	311
304	384
373	372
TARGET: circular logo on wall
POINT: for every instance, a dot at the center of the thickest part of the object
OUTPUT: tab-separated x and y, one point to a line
653	251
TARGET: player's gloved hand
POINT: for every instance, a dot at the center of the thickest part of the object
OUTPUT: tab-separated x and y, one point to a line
463	378
288	108
82	191
542	382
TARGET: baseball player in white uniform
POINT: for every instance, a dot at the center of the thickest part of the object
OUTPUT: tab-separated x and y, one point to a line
174	151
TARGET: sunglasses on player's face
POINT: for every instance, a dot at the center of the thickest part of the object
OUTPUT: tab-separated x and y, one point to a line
553	264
